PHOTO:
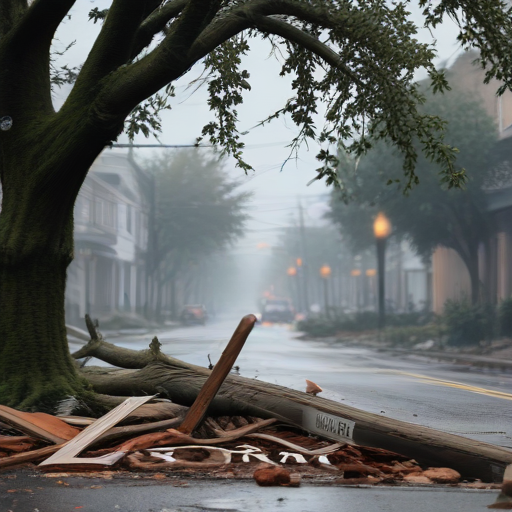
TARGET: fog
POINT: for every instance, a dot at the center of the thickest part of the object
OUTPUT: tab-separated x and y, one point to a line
261	260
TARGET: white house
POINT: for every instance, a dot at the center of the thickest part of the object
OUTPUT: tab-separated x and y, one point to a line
108	272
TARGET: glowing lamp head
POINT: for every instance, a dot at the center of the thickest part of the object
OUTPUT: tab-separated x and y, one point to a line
325	271
292	271
381	226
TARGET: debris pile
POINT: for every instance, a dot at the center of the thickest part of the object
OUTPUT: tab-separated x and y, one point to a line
224	447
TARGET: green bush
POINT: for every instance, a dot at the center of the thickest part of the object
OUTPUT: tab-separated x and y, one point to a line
317	327
411	335
321	326
505	317
468	324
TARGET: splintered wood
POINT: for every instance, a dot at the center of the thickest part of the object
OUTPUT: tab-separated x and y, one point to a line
222	447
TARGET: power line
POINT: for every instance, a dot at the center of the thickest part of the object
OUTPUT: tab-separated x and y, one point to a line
118	145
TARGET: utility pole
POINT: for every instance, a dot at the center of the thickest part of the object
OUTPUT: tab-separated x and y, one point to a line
305	261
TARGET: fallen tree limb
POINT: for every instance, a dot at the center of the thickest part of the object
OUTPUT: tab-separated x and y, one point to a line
116	433
181	382
117	356
245	430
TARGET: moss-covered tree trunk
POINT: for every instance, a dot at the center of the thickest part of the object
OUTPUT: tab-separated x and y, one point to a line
35	366
42	170
36	247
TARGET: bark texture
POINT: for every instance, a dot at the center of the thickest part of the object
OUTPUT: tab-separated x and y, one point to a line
33	371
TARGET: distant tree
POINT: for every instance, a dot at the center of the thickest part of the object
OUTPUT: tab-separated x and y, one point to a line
319	246
357	58
432	214
198	211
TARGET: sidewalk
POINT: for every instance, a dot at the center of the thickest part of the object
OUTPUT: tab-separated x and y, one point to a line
458	358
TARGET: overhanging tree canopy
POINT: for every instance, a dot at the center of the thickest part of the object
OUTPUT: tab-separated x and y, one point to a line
432	214
357	57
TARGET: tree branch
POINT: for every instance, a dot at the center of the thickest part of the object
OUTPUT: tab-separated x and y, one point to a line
10	13
155	23
295	35
131	85
25	52
40	21
194	35
113	46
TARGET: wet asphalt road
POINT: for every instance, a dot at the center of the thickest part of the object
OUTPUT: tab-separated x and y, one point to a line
448	397
72	494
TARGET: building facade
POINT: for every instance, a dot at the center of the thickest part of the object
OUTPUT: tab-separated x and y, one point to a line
111	236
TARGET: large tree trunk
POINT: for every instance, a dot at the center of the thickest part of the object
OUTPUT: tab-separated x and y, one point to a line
35	366
41	176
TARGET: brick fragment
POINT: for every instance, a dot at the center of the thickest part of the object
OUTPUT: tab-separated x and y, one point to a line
442	475
268	475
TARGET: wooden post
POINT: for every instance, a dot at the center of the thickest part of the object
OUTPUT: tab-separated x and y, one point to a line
218	375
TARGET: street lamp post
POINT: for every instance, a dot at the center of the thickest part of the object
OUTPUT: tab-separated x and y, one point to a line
292	273
381	230
325	273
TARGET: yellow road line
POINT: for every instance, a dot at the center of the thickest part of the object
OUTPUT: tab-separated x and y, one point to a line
456	385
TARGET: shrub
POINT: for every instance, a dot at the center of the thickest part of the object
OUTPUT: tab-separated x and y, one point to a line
321	326
412	335
468	324
505	317
318	327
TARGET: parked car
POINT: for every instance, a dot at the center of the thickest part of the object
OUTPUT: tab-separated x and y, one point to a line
193	314
277	310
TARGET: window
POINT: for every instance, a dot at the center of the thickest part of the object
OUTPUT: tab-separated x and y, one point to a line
129	219
109	214
83	210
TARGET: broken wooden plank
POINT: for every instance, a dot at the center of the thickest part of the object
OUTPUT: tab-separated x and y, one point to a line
157	411
38	424
299	449
153	412
32	456
242	431
68	453
77	421
17	443
131	430
175	437
219	373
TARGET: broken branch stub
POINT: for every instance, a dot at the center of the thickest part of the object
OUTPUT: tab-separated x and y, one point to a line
218	375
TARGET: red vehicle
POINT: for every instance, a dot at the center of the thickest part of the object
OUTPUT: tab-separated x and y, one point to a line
194	314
